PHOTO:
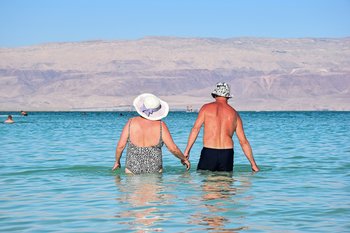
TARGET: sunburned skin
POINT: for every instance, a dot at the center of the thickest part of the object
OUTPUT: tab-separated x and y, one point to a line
220	121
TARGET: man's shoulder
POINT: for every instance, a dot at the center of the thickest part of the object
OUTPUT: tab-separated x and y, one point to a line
214	107
208	106
215	104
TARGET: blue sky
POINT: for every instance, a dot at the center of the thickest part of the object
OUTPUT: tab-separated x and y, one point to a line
24	22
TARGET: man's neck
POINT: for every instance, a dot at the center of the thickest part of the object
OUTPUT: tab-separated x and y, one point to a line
221	99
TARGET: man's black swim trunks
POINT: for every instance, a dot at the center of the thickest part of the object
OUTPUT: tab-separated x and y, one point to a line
216	159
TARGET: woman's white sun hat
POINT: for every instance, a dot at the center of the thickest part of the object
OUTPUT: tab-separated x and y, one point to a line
151	107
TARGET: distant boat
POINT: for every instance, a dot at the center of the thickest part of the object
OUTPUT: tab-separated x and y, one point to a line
189	108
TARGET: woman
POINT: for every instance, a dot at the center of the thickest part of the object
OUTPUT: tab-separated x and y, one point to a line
145	136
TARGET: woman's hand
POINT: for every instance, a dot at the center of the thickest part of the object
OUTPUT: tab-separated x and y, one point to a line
116	165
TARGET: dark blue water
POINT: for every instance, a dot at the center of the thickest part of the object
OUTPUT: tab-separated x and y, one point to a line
56	176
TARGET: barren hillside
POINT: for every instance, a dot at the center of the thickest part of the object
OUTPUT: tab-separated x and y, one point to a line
265	74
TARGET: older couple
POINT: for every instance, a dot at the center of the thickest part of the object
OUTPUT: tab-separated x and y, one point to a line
146	134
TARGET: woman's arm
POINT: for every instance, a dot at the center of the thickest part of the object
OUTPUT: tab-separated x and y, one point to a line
172	147
121	145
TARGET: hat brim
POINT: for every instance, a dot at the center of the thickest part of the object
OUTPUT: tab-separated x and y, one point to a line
214	93
158	115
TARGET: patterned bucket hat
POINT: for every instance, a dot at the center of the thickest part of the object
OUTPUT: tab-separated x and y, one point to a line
222	89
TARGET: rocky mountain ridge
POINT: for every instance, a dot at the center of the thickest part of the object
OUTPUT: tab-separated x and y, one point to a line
264	74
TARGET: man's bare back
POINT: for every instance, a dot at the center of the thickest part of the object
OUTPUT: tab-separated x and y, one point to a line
220	121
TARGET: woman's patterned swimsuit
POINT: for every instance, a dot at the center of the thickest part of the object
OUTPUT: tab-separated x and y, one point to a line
144	159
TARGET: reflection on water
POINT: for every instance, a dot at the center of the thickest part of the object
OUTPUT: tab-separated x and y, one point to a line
142	195
218	200
147	202
218	186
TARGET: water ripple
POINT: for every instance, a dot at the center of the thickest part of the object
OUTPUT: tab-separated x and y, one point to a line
56	176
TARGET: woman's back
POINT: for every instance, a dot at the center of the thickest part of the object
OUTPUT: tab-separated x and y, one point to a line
144	133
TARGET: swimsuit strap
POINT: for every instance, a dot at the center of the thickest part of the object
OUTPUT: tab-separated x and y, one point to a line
160	136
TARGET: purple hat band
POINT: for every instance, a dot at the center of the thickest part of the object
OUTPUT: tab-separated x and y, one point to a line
149	111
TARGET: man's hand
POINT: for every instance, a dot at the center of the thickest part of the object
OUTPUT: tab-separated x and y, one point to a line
255	168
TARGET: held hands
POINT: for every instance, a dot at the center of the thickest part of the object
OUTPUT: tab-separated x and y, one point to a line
187	155
187	163
116	165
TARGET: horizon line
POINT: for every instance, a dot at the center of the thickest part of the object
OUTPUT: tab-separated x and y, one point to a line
170	37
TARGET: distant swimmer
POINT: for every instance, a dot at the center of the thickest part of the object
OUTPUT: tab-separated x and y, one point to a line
9	120
23	113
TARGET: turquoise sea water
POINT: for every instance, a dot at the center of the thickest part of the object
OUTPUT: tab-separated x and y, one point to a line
56	176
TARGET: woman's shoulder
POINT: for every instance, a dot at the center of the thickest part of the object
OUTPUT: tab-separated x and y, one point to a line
164	126
133	119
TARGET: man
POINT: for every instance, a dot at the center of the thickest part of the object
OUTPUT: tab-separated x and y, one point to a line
220	122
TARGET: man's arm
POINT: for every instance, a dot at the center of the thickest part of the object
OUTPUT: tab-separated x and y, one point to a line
121	145
195	131
247	149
